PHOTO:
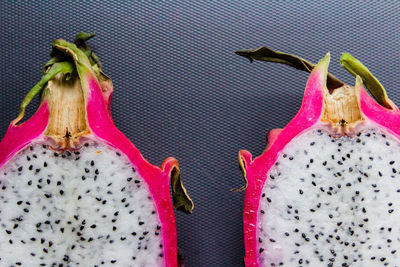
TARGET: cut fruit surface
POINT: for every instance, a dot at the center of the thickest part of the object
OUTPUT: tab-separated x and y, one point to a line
325	191
74	191
85	208
334	201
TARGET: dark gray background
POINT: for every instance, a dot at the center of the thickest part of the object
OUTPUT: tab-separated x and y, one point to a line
181	91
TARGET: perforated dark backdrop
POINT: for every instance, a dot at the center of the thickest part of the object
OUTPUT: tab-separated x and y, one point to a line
181	91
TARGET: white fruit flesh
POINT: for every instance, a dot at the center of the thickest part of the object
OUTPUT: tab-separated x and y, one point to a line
88	208
332	202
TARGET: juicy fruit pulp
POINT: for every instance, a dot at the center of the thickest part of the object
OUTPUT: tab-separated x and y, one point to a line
73	190
326	191
73	209
332	201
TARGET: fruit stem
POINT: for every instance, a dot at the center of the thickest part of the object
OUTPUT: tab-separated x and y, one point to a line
58	67
267	54
356	68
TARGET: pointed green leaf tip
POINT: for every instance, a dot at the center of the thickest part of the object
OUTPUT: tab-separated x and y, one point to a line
324	63
356	68
82	37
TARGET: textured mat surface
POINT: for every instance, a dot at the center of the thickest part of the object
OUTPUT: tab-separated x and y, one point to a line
181	91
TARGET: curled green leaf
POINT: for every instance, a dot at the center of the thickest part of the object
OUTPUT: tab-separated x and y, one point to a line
180	197
356	68
267	54
56	68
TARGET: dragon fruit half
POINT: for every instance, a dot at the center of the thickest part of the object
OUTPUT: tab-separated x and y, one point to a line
326	191
74	191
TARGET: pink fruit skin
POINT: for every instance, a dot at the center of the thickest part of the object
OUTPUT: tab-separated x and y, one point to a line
102	126
308	116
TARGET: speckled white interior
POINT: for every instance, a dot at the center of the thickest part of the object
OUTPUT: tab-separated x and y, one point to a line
86	208
332	202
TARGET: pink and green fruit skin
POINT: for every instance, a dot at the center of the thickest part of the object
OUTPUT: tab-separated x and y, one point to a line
98	203
321	197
